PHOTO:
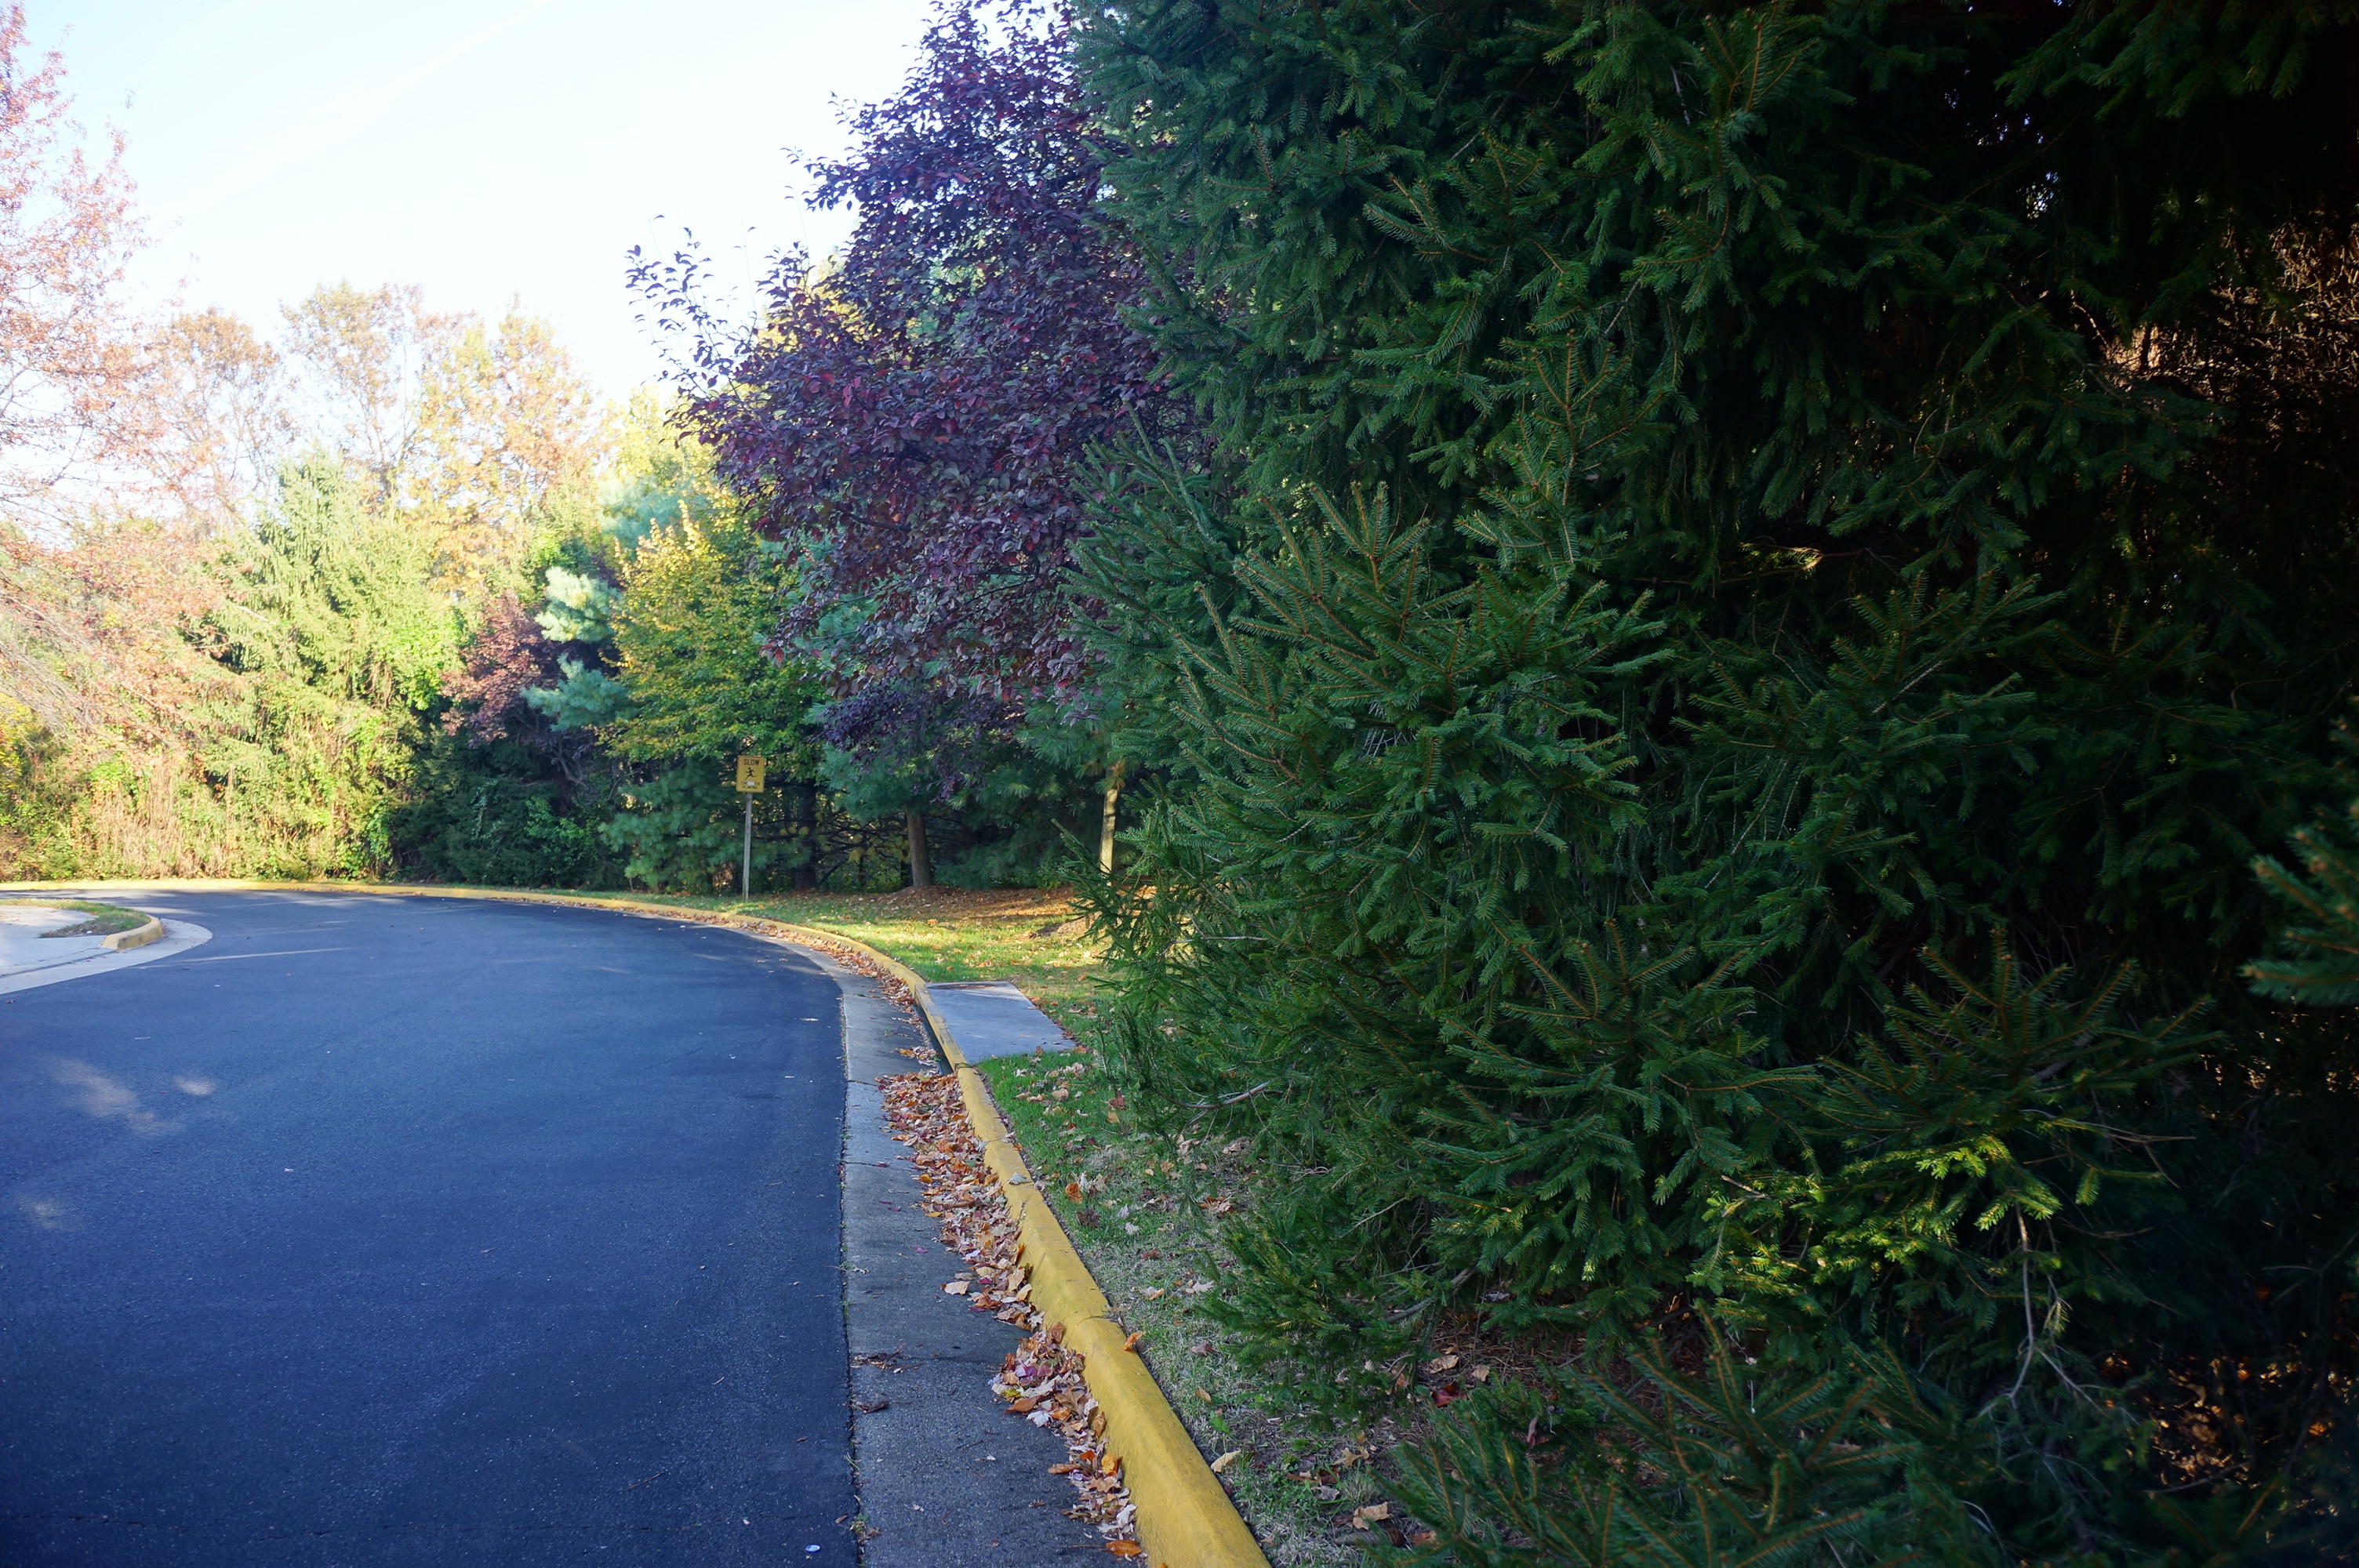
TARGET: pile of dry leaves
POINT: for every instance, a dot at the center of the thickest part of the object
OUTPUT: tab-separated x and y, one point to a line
1041	1380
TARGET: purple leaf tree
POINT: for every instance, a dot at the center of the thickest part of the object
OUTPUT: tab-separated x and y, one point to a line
912	420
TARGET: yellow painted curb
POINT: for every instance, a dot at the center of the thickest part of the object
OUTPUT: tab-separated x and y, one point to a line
138	937
1185	1518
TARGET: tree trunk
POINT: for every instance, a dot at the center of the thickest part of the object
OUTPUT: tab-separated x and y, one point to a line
806	832
1105	819
921	864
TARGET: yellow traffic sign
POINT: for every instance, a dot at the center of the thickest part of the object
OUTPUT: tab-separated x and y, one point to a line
749	775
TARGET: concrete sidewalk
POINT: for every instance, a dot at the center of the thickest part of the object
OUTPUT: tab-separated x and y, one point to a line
29	959
947	1477
992	1018
24	942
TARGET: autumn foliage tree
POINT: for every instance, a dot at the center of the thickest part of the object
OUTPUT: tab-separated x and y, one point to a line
215	546
913	417
68	357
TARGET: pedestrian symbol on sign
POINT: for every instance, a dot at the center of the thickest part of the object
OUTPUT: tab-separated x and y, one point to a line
749	775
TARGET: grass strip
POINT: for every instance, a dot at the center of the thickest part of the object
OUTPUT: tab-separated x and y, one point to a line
1032	936
106	919
1146	1214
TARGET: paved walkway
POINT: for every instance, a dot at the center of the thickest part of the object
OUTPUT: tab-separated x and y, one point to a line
947	1477
992	1018
26	941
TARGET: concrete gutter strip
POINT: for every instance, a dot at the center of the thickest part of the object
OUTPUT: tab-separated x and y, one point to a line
138	937
1185	1518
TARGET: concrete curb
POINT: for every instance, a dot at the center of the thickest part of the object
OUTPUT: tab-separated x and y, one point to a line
1185	1517
138	937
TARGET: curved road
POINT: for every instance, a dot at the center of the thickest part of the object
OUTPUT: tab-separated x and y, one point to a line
405	1230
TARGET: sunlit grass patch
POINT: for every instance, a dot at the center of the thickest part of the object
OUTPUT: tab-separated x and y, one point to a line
1032	936
106	919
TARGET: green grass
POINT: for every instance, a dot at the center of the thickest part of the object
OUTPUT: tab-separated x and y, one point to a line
1031	936
106	919
1148	1224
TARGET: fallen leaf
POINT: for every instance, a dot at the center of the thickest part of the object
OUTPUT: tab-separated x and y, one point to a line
1482	1374
1137	1337
1423	1538
1073	1191
1362	1517
1441	1364
955	1288
1225	1460
1109	1465
923	1111
1125	1548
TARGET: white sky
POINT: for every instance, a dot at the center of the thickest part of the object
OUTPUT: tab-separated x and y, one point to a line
487	149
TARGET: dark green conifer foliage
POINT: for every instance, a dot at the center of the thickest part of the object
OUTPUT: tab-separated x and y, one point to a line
1768	572
2317	959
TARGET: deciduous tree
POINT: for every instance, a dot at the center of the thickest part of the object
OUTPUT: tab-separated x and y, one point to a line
362	357
912	419
507	442
69	353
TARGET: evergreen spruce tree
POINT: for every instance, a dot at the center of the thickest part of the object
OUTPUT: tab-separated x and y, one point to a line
1767	573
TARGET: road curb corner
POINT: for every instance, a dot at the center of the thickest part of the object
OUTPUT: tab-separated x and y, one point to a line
138	937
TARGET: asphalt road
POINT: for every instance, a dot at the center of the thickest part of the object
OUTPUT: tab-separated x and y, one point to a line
426	1231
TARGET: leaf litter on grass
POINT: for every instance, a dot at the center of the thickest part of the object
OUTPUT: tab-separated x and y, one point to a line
1149	1214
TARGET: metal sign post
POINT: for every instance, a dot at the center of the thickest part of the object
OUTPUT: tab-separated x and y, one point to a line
750	770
